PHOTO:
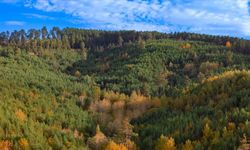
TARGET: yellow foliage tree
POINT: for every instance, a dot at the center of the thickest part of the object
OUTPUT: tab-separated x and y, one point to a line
96	93
77	74
186	46
165	143
207	131
23	143
113	146
188	145
21	115
231	126
130	145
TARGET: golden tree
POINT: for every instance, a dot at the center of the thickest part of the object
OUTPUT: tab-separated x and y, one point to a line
20	115
113	146
207	131
188	145
130	145
186	46
77	74
165	143
23	144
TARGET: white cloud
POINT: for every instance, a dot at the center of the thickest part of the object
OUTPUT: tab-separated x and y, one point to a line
38	16
15	23
206	16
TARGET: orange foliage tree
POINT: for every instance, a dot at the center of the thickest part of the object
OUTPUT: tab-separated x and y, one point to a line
98	141
5	145
228	44
20	115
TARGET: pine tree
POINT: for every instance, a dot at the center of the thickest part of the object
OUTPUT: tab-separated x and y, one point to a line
44	33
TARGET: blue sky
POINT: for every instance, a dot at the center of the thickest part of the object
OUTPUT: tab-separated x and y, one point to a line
219	17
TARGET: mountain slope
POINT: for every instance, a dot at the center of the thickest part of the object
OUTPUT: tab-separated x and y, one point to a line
38	104
213	115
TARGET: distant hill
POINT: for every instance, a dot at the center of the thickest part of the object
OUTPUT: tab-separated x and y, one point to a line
89	89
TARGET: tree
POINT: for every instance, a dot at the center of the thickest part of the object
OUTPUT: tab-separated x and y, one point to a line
228	44
207	132
165	143
4	38
65	42
113	146
207	67
56	33
37	34
131	145
44	33
14	38
82	46
31	34
24	144
188	145
21	115
189	69
244	143
141	43
5	145
96	93
98	141
23	38
120	41
186	46
126	130
229	57
84	54
77	74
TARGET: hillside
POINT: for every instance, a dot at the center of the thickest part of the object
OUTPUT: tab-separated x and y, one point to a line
214	114
87	89
38	107
158	67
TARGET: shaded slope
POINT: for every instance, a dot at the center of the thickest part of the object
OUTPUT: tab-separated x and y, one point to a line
219	105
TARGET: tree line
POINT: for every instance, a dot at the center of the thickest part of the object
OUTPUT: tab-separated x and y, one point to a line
98	40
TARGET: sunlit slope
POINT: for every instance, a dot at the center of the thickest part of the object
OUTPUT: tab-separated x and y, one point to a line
38	104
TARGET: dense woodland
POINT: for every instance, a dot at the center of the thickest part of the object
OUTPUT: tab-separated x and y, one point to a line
97	40
123	90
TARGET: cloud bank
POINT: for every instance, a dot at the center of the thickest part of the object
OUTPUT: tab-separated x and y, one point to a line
228	17
14	23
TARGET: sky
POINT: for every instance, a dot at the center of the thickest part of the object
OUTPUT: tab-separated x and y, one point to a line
217	17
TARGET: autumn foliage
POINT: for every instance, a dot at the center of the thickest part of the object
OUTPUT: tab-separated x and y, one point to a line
228	44
113	146
5	145
165	143
186	46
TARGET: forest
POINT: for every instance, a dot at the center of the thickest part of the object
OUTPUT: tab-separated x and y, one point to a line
123	90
